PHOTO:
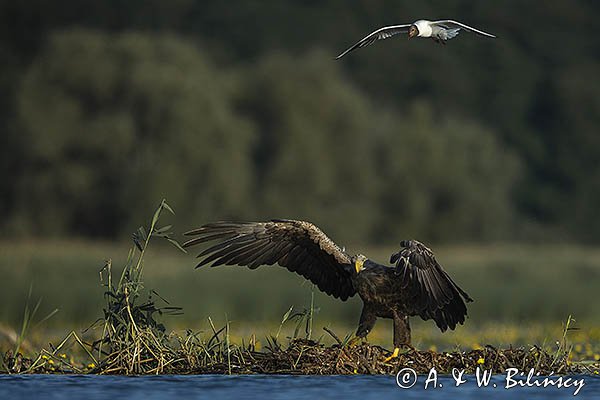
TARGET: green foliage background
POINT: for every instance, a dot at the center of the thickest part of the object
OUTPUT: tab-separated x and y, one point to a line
237	110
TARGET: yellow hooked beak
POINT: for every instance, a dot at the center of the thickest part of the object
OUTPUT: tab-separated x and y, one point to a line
358	264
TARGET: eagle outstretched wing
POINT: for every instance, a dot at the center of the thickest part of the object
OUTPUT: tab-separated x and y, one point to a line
431	293
299	246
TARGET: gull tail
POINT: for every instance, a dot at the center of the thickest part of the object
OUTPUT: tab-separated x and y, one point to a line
451	33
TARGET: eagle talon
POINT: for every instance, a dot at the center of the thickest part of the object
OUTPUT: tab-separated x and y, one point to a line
394	355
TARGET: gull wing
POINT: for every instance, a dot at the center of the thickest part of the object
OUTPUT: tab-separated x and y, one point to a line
380	34
455	24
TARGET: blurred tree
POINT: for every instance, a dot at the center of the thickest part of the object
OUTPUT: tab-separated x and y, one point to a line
577	144
314	155
443	179
113	123
327	155
534	89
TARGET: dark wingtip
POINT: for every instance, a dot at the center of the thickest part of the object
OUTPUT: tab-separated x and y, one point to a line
203	262
406	243
190	242
194	232
342	54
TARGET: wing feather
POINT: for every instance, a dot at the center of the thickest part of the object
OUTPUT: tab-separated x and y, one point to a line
243	254
254	252
431	293
218	254
263	256
235	241
380	34
455	24
299	246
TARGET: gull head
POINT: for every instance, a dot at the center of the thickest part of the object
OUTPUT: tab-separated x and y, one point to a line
413	31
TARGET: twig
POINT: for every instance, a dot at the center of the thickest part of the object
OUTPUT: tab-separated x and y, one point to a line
333	335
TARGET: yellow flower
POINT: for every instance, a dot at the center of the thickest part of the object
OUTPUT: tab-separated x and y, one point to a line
50	361
480	361
91	365
44	357
596	357
63	355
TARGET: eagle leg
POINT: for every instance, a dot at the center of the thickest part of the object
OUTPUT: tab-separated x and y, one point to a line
367	321
401	334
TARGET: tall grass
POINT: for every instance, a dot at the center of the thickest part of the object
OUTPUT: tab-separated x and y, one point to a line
131	333
29	315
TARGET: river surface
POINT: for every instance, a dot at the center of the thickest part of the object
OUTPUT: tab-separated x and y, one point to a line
359	387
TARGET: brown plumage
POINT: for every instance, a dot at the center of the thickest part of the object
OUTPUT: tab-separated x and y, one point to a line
417	285
430	292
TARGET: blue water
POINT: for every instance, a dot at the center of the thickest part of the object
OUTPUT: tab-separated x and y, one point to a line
92	387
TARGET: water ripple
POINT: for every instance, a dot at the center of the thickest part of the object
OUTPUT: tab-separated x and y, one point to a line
92	387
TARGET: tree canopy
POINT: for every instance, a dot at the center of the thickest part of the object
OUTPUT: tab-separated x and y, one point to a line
240	112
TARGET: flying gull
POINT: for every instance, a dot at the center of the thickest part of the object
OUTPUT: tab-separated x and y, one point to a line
439	31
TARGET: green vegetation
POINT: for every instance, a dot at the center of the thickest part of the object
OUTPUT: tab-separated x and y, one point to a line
516	299
133	340
486	150
472	142
161	119
509	283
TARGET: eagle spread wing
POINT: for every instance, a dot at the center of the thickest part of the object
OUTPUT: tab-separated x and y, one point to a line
299	246
432	293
